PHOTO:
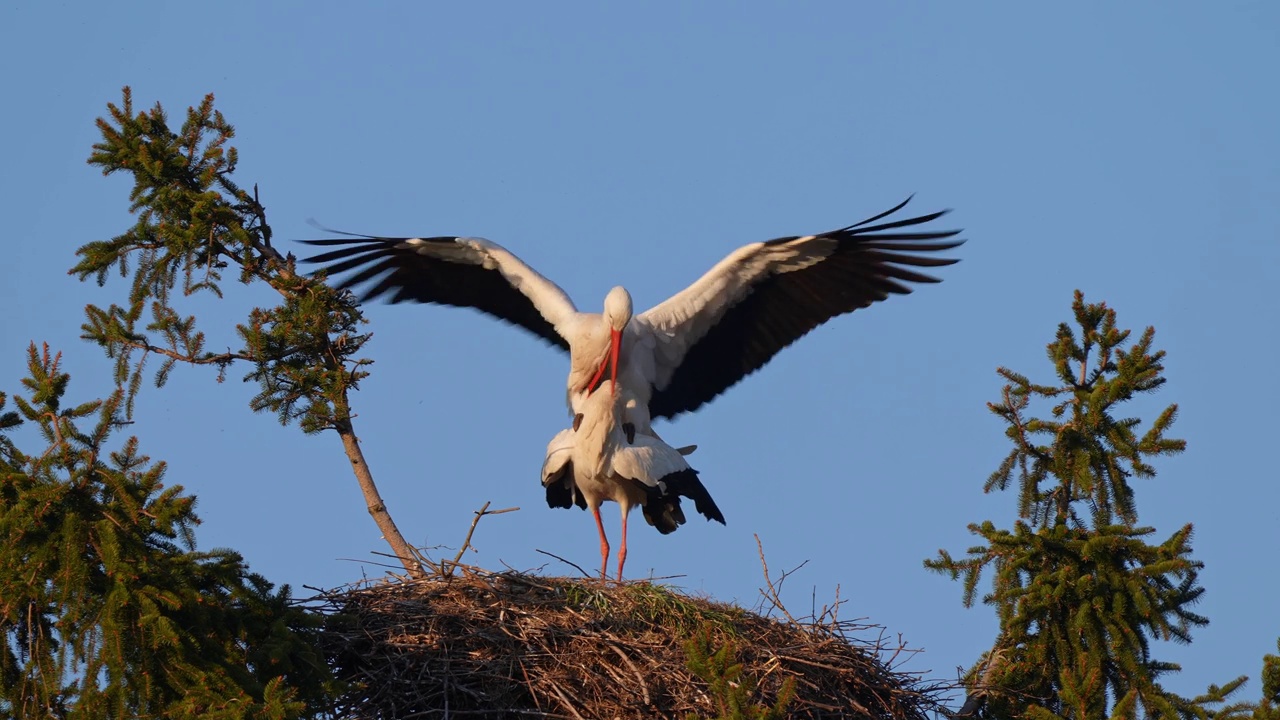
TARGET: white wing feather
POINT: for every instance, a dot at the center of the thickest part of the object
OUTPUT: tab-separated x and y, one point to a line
559	453
648	460
550	300
679	322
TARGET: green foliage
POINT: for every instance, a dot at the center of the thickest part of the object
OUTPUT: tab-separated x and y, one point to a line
107	609
193	223
1079	591
1088	455
654	603
728	685
1268	708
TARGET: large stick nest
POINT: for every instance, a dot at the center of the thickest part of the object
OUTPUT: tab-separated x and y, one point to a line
513	645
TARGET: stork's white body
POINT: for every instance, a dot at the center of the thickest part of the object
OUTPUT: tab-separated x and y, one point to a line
602	459
672	358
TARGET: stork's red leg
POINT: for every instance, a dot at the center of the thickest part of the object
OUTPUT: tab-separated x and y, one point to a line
604	543
622	552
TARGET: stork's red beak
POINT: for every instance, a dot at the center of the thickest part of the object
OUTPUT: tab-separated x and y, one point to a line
615	347
610	361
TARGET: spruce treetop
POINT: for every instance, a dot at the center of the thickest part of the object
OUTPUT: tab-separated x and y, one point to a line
1079	588
1082	453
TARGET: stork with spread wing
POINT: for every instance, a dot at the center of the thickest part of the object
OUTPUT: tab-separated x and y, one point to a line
681	354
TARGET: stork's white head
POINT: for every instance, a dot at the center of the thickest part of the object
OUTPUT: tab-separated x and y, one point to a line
617	308
617	313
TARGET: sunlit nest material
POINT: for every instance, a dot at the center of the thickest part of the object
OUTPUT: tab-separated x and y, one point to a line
513	645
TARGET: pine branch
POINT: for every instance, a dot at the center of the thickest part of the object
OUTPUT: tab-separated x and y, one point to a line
194	222
219	359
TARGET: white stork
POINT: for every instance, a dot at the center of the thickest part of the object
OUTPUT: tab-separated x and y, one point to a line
602	458
688	349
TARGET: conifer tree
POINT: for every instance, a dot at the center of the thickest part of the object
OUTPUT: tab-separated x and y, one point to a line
106	608
194	223
1080	588
1268	708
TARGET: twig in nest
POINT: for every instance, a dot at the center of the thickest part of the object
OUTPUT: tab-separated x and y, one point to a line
772	594
656	578
422	559
566	562
568	705
382	565
788	573
644	687
448	566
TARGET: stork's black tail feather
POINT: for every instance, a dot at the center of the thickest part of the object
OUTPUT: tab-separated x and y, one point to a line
662	509
561	492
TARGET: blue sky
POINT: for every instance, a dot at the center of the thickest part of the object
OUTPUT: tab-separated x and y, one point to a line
1128	151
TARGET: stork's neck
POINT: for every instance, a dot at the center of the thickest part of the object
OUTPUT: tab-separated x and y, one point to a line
600	428
588	349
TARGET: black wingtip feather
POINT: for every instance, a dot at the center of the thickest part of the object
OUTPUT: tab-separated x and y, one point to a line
324	228
365	244
863	229
686	483
884	214
662	509
361	252
870	261
359	239
404	272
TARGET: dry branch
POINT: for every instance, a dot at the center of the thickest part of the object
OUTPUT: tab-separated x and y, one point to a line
466	543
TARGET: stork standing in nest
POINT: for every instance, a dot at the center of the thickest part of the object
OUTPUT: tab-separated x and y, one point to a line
603	457
669	360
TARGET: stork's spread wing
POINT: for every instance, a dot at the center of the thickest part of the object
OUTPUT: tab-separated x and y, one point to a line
463	272
765	296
